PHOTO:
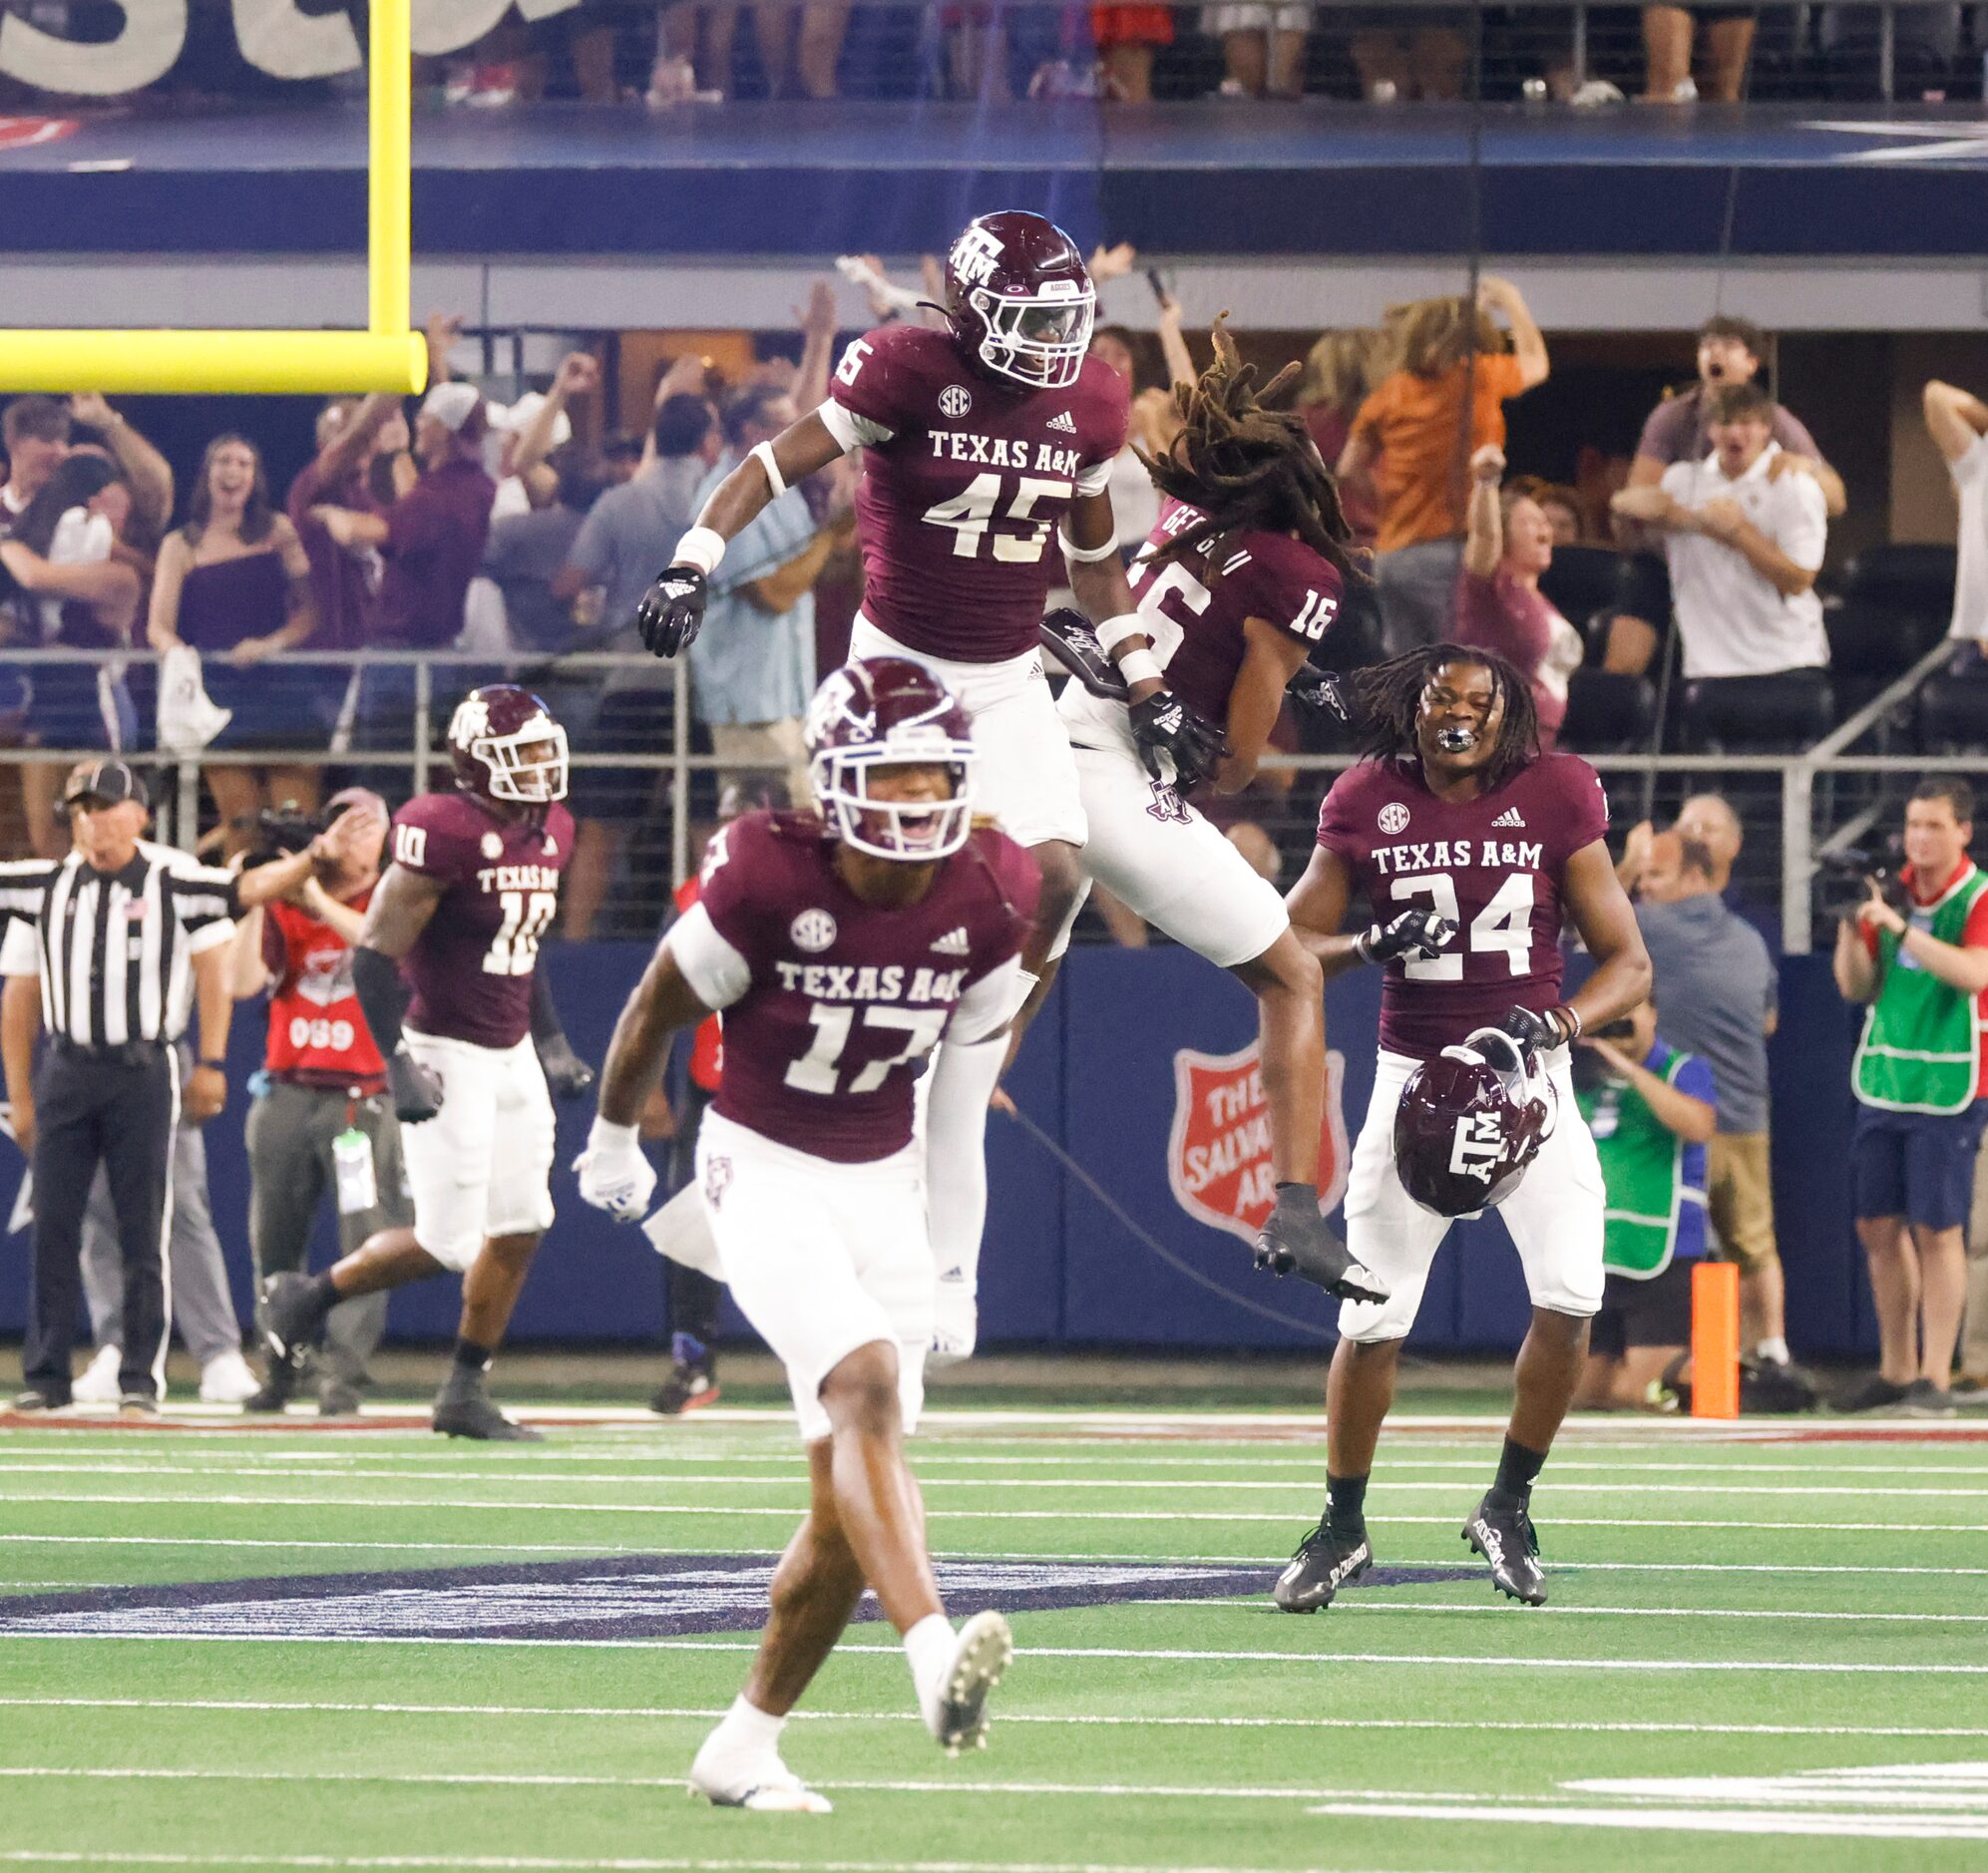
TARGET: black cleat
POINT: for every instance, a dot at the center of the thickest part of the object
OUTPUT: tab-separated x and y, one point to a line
35	1399
1326	1560
279	1386
984	1649
292	1317
690	1387
463	1408
1294	1240
1506	1539
137	1404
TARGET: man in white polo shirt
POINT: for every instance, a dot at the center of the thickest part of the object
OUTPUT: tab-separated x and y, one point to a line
1744	547
1958	423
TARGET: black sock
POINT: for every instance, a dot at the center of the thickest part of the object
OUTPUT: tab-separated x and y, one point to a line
323	1295
1346	1504
1516	1469
471	1357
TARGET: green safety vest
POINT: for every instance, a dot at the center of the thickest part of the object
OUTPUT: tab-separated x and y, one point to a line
1921	1045
1643	1174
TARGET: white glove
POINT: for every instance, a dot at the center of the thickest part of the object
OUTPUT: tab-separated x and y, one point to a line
614	1174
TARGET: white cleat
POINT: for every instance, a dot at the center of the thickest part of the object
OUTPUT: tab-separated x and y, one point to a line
770	1788
955	1320
958	1717
226	1379
99	1382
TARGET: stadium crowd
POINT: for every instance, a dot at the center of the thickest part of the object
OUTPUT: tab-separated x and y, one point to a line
691	54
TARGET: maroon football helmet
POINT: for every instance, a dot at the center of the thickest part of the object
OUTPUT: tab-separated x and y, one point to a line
1020	299
878	712
507	747
1465	1130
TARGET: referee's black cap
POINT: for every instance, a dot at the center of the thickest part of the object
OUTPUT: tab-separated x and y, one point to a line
105	784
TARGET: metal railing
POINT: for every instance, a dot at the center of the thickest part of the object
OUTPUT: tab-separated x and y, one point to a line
1807	826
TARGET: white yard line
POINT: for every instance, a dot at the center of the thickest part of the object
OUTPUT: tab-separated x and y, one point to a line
1081	1721
1367	1599
1846	1826
429	1505
931	1478
854	1649
514	1863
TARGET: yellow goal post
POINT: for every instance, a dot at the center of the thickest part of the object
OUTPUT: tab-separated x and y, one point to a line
387	356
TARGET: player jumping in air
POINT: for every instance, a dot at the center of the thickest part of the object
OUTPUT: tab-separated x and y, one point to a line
476	1053
1243	574
1457	816
985	447
841	947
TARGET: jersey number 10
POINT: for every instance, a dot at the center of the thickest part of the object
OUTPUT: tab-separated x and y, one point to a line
515	949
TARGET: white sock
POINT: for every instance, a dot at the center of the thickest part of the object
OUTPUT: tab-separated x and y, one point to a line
746	1732
956	1154
928	1645
1774	1350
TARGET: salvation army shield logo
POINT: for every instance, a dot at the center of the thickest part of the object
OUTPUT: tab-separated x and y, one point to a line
1218	1153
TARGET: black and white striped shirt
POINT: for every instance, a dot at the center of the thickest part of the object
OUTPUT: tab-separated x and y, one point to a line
117	948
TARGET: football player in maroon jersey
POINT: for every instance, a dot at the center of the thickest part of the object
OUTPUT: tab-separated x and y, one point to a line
1469	845
841	945
986	446
1241	577
474	1051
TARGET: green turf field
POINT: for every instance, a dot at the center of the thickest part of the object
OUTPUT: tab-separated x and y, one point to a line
1768	1651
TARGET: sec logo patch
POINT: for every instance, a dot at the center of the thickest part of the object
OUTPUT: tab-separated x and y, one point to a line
1394	817
491	846
956	400
812	931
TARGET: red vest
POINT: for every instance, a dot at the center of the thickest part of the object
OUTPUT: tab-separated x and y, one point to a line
317	1034
707	1045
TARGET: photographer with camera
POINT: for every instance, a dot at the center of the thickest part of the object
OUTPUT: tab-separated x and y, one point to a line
1653	1110
1916	950
320	1118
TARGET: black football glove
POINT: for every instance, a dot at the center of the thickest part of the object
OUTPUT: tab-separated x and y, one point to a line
1419	933
1529	1033
671	610
1319	690
1179	747
416	1089
1066	634
567	1075
1294	1240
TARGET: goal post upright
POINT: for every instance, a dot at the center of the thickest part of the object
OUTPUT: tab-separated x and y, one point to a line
387	356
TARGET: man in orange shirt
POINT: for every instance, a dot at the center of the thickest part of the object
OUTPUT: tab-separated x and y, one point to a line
1410	447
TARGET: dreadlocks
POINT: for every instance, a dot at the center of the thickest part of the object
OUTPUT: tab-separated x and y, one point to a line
1244	466
1387	696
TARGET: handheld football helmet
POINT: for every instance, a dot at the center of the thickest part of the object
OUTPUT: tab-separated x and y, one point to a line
880	712
506	747
1470	1123
1019	300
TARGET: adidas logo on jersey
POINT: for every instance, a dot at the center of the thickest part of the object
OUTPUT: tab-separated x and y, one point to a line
1065	422
1511	816
952	944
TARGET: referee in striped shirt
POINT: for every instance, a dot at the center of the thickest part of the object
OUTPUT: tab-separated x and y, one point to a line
126	929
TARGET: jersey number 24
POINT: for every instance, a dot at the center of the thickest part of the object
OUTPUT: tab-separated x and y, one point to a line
1503	924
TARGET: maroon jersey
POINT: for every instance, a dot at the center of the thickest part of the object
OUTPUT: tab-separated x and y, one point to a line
1197	606
831	1005
965	479
470	968
1494	865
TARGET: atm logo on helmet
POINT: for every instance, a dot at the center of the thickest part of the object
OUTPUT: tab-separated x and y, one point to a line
1479	1146
1218	1153
975	256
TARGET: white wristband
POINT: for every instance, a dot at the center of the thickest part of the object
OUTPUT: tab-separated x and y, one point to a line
1085	556
606	1136
763	453
1113	631
701	548
1137	666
